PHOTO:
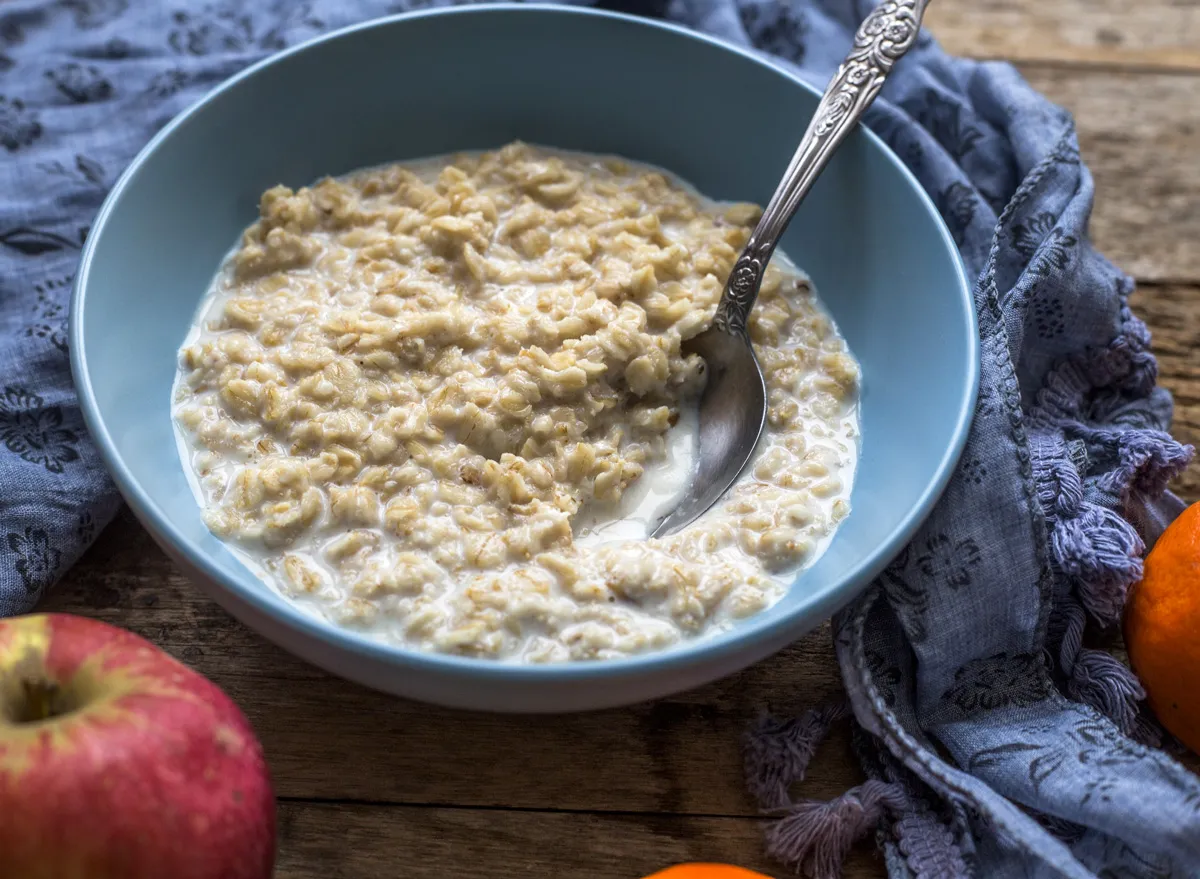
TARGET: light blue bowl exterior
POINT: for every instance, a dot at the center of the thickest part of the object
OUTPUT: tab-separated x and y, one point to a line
431	83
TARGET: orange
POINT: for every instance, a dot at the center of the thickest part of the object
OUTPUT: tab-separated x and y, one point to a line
706	871
1162	628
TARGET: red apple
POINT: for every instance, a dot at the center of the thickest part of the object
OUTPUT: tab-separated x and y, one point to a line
117	762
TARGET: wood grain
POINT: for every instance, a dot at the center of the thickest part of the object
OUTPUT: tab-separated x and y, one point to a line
1173	314
1152	35
1115	65
341	841
1139	135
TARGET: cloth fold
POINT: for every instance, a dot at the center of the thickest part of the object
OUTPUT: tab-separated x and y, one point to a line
996	743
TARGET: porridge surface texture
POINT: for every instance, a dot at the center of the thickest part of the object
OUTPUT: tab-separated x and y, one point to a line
428	400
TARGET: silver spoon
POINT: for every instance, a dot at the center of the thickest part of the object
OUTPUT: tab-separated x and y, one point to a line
733	406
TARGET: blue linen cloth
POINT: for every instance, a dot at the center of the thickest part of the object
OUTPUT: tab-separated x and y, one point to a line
996	745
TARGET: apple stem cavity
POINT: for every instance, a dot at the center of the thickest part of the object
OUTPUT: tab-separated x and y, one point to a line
40	699
37	697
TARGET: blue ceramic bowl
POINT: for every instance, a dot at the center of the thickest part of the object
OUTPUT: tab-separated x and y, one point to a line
473	78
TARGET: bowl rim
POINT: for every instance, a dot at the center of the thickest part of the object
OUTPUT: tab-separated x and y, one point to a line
713	648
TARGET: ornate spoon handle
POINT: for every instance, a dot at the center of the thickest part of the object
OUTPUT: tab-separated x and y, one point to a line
885	35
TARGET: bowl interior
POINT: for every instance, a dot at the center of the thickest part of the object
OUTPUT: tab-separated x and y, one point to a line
424	85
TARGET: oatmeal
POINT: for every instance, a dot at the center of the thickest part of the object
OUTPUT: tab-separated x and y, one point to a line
445	402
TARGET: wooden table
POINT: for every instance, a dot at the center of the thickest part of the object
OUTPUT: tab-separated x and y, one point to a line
371	786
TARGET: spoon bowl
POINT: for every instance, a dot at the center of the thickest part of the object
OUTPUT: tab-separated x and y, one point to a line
733	405
733	412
